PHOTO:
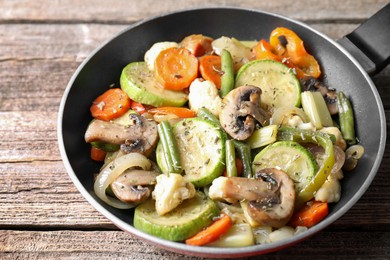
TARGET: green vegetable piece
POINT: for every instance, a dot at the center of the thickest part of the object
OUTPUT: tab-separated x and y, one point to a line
169	146
244	152
181	223
322	139
292	158
315	107
346	117
263	136
140	85
279	85
227	78
231	168
105	146
201	147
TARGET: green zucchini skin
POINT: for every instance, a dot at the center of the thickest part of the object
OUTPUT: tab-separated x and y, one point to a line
139	83
201	146
280	86
183	222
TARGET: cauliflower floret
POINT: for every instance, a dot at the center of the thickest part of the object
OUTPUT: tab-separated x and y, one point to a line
217	188
154	51
297	122
204	94
170	191
330	191
340	142
281	233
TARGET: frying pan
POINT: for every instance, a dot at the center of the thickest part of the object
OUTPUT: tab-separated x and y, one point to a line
340	70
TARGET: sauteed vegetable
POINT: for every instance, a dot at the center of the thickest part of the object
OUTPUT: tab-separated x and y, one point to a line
221	142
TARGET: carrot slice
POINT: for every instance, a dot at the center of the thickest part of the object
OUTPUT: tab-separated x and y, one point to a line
176	68
181	112
110	105
97	154
139	107
311	214
197	44
210	69
212	232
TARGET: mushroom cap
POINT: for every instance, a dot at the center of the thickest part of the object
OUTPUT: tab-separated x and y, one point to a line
240	111
140	135
270	195
275	210
132	186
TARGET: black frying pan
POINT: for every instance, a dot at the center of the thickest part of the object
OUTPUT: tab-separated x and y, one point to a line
340	70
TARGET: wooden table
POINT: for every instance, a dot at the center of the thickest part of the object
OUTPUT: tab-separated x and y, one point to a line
42	215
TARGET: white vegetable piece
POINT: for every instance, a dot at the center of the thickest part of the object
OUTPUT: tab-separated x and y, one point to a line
340	142
170	190
237	236
154	51
281	233
261	234
330	191
241	53
204	94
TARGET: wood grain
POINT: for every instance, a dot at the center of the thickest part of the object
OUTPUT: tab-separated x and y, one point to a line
122	11
94	245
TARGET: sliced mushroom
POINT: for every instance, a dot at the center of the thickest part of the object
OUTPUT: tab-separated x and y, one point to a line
270	195
330	95
240	110
139	136
133	186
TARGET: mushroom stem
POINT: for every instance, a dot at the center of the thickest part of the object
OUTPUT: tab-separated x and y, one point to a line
270	195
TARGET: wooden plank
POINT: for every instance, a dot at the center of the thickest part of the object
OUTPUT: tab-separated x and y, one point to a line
123	11
43	191
120	245
26	85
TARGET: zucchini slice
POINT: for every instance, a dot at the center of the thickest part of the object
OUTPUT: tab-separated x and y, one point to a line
201	146
181	223
280	87
290	157
140	85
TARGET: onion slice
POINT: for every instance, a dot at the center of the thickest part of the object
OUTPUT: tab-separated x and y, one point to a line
115	168
281	114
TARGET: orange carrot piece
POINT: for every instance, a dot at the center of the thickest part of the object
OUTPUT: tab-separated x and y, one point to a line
310	214
181	112
139	107
210	69
110	105
212	232
176	68
97	154
197	44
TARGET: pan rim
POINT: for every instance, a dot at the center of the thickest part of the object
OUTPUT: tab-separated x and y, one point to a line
212	251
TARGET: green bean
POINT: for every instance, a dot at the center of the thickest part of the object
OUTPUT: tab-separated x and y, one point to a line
346	118
170	149
207	115
244	152
227	78
231	168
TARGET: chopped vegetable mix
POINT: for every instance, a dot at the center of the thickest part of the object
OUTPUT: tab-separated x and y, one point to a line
214	140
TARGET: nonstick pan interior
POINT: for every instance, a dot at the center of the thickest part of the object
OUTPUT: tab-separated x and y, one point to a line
103	67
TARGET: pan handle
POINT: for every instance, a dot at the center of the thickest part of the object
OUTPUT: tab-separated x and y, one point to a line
370	42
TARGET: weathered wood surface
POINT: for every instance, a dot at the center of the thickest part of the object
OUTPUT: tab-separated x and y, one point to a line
42	215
